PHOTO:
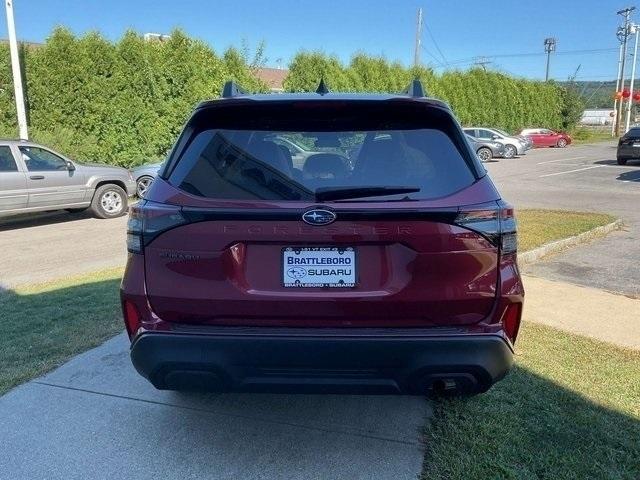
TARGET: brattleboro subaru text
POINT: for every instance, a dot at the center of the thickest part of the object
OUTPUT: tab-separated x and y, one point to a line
322	242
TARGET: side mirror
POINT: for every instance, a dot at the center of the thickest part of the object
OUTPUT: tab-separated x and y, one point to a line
70	166
494	137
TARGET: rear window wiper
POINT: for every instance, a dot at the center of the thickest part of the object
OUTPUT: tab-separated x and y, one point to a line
338	193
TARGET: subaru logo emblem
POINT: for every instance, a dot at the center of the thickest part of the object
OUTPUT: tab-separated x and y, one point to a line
318	217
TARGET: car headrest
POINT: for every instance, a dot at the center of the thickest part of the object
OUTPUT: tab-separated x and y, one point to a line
325	165
269	153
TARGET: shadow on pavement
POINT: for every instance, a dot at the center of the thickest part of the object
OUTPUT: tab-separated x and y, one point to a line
630	176
44	218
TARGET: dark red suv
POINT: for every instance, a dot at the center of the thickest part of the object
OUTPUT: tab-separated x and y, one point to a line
381	260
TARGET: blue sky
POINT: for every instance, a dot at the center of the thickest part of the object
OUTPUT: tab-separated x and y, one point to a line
463	29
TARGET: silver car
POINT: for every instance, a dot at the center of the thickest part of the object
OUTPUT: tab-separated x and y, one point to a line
34	178
512	145
486	150
144	175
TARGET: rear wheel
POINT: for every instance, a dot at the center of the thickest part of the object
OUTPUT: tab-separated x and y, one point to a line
622	161
109	201
484	154
561	143
510	151
142	185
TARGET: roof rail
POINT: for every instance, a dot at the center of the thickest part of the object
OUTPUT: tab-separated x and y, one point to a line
322	88
231	89
415	89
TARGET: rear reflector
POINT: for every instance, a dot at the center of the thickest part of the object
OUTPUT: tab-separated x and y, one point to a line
131	318
511	320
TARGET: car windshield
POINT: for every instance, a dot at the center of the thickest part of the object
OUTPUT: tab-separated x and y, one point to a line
503	133
398	164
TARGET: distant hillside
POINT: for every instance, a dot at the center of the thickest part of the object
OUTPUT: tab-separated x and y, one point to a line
596	94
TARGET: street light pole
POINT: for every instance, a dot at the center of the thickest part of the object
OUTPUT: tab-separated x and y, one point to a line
17	74
634	31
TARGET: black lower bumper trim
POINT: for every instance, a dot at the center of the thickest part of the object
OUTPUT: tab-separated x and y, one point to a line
320	363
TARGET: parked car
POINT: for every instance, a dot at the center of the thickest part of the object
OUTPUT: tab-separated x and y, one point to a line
543	137
395	273
629	146
512	145
486	150
144	176
34	178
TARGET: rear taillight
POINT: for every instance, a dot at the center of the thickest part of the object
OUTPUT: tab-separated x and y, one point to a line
131	318
494	221
147	220
511	320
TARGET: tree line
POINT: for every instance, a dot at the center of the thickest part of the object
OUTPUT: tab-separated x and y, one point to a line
124	102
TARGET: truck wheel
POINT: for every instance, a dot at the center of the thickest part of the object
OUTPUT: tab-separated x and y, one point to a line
109	201
621	161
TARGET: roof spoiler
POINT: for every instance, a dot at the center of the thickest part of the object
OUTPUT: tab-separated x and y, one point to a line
231	89
415	89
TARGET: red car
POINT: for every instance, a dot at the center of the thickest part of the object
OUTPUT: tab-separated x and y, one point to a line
543	137
385	263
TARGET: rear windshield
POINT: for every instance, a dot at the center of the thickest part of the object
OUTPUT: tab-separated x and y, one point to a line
268	164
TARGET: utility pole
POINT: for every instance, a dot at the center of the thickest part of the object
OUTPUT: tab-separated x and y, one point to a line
634	31
482	62
626	13
549	46
618	80
17	74
418	46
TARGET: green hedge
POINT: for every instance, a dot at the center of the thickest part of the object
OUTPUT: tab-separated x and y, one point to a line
477	97
123	103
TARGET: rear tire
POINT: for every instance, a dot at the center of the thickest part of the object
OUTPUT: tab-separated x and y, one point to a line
621	161
142	185
561	143
510	151
484	154
109	201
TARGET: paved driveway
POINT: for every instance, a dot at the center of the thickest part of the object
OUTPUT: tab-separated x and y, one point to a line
96	418
41	247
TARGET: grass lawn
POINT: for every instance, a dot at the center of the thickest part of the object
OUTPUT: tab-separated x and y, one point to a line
537	227
586	135
43	326
570	409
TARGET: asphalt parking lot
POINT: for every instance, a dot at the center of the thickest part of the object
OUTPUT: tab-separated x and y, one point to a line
582	178
115	425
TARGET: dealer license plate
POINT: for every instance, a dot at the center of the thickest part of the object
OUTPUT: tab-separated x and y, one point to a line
319	267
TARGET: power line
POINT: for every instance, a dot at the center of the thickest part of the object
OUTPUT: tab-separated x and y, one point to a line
532	54
444	59
440	64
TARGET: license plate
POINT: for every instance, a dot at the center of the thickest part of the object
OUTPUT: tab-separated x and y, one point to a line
333	267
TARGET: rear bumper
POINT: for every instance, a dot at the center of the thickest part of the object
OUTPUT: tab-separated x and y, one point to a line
628	152
314	361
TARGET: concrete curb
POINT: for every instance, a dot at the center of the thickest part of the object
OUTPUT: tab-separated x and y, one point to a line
536	254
